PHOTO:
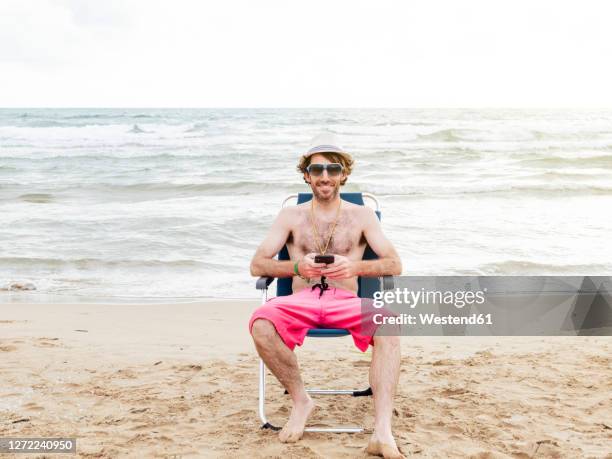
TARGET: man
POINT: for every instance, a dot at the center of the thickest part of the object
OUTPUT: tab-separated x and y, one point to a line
325	225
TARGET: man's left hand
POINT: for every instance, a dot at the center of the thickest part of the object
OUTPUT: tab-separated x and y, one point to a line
341	268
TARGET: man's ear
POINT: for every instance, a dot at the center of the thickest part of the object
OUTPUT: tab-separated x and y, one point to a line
306	177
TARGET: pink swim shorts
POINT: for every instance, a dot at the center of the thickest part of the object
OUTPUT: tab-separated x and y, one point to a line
294	315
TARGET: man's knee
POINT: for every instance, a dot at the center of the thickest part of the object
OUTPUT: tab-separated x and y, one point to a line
263	330
387	341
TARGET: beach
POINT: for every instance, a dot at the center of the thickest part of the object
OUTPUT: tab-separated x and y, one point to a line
125	232
163	380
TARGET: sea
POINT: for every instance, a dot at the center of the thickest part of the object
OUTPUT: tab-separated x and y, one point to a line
170	204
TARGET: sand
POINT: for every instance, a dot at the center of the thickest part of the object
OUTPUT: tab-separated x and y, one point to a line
159	380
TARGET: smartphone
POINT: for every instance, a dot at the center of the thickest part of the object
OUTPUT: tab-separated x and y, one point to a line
327	259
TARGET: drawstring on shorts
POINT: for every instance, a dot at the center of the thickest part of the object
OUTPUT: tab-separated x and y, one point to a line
321	286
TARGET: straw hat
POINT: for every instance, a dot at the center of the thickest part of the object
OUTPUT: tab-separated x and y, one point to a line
326	142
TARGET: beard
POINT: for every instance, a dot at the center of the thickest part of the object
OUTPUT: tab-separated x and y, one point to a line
325	196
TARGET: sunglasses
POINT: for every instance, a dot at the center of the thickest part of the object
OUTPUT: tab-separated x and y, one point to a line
333	169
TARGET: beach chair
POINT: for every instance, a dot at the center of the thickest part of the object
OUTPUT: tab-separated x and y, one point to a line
367	287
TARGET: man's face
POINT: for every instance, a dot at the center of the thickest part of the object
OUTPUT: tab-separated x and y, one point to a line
324	187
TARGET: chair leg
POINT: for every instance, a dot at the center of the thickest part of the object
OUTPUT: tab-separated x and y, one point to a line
262	381
355	393
363	393
262	398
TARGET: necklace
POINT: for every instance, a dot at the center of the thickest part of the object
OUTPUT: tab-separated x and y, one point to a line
316	235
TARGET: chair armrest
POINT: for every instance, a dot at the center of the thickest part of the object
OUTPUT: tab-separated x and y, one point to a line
263	283
387	283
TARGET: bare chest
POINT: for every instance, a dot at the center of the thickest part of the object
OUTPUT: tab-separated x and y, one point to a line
345	239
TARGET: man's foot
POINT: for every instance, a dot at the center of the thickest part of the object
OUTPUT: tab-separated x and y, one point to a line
294	429
384	446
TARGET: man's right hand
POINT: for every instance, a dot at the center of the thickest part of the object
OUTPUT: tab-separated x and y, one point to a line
308	268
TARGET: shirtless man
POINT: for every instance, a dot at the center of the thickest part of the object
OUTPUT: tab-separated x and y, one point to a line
325	225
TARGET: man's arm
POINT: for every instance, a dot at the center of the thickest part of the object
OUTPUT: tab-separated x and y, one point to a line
387	264
263	263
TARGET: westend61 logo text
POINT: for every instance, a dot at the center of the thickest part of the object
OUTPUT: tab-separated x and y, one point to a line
411	298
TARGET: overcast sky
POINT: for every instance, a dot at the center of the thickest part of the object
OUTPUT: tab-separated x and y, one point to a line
311	53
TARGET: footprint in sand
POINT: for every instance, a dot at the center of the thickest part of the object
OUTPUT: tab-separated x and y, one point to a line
33	407
47	342
443	362
126	374
138	410
486	353
242	414
191	367
440	373
450	391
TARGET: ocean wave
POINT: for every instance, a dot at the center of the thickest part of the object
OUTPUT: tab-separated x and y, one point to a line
138	130
571	135
309	121
39	198
96	263
95	116
391	154
172	190
432	156
525	267
79	124
45	123
447	135
85	116
392	123
561	175
544	190
560	161
144	153
198	127
155	191
515	135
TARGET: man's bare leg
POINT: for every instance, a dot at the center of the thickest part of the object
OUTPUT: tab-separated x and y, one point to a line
282	362
384	375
